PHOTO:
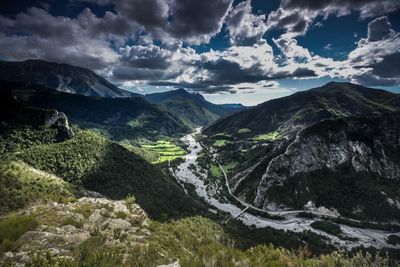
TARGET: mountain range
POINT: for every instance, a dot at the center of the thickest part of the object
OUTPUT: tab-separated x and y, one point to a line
78	175
191	108
335	146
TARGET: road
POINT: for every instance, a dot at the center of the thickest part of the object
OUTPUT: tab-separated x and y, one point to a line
366	237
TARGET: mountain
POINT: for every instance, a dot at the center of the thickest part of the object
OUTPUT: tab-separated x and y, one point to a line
118	118
193	109
32	153
290	114
60	77
335	146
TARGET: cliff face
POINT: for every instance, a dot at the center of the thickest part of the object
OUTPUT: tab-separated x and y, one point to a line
369	145
56	119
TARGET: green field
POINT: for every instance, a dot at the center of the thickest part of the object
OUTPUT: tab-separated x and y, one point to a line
224	134
215	170
271	136
166	150
220	143
244	130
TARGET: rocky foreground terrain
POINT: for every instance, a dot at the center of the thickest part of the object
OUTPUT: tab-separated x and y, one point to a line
62	228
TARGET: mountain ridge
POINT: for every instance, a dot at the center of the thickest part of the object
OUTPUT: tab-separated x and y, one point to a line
192	108
294	112
340	134
61	77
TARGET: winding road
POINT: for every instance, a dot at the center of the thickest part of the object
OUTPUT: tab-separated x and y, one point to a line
183	173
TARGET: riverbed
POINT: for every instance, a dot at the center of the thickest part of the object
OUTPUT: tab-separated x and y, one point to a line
183	173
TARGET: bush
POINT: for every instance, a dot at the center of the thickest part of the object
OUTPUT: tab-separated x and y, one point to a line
13	227
393	240
121	215
72	221
328	227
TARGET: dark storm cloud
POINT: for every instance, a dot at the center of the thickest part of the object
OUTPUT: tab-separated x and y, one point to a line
296	16
37	34
227	72
174	20
389	67
303	72
192	18
149	13
367	8
377	57
378	29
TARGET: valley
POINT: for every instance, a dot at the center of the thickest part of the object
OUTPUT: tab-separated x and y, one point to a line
69	172
289	221
200	133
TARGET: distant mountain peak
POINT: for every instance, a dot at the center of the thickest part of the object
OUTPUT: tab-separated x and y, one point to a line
61	77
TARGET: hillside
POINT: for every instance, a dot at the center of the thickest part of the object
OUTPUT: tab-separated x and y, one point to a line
288	115
102	232
191	108
82	159
350	164
336	147
60	77
118	118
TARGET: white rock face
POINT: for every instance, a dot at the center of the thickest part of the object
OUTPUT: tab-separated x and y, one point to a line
310	152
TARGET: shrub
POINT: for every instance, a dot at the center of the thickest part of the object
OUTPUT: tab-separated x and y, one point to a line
121	215
13	227
328	227
72	221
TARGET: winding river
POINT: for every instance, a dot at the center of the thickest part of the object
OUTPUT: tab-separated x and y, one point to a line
183	173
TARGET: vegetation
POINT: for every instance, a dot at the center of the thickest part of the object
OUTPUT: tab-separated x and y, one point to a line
97	164
220	143
13	227
244	130
215	170
192	109
393	240
199	241
328	227
271	136
166	151
21	185
354	194
119	118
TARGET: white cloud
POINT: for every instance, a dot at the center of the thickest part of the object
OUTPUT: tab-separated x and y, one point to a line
243	25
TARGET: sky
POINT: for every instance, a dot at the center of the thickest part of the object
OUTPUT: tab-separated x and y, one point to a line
230	51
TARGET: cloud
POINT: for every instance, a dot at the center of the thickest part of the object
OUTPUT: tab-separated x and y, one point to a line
296	16
375	59
243	25
197	21
173	21
378	29
291	50
37	34
153	46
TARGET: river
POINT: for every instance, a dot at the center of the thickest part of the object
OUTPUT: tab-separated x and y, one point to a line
366	237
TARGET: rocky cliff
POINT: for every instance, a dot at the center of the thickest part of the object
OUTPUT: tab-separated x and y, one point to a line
366	144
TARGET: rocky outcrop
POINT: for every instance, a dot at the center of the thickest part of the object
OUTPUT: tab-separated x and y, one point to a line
58	120
367	145
64	227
